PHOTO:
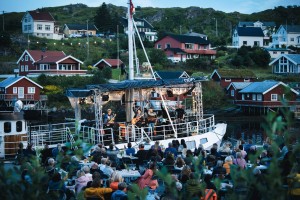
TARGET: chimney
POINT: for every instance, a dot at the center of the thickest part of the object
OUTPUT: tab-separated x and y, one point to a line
42	57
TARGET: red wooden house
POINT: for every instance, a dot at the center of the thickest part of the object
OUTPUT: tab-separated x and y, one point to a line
266	94
48	62
234	88
179	48
112	63
226	76
21	88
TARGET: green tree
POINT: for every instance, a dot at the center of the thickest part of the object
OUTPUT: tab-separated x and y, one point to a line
103	19
213	95
5	40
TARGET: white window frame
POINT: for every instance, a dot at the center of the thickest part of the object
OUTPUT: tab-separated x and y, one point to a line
243	96
39	27
227	79
246	80
47	27
15	90
259	97
253	97
22	68
232	93
26	68
158	46
274	97
31	90
26	57
168	45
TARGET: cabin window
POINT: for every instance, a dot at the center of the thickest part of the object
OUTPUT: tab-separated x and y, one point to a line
31	90
292	39
259	97
168	45
244	42
26	68
232	93
189	46
203	140
243	96
274	52
7	127
273	97
26	58
19	126
253	97
29	27
15	90
246	80
159	46
227	80
22	68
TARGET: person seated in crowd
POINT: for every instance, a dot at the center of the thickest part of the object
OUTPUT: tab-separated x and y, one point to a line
96	191
94	168
46	153
95	175
219	171
228	162
141	155
152	193
86	170
248	145
50	168
179	163
129	150
112	153
97	154
73	166
145	179
243	152
102	165
189	157
56	184
182	147
121	193
81	181
108	170
115	179
184	176
55	151
169	159
29	152
154	156
209	183
211	158
240	161
225	149
157	148
170	149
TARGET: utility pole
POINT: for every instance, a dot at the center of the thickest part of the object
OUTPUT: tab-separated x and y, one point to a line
87	38
180	29
216	26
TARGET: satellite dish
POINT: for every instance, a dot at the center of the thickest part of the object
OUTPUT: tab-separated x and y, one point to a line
18	106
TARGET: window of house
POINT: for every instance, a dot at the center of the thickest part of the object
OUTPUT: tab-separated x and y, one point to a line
282	52
243	96
47	27
15	90
259	97
227	79
274	52
168	45
44	66
7	127
28	27
48	34
244	42
273	97
246	80
26	58
19	126
25	27
159	46
25	20
22	68
189	46
39	27
26	68
31	90
232	93
256	43
292	39
253	97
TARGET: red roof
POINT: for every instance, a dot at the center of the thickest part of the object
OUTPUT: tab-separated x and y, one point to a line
51	59
202	51
113	62
48	56
41	16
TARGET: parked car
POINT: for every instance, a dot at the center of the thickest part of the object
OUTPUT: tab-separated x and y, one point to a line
100	35
75	35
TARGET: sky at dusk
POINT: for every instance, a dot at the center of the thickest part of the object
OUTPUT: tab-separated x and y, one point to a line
242	6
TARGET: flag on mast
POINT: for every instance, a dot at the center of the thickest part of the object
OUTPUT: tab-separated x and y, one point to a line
132	9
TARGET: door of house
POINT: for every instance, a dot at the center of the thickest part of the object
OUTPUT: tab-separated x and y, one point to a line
20	92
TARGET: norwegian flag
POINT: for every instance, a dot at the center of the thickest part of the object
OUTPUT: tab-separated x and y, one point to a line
132	10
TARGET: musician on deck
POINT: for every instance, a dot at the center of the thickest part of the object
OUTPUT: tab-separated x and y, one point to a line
110	124
138	118
151	120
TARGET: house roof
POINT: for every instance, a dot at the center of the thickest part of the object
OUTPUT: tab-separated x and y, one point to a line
277	49
171	74
110	62
263	87
81	26
250	31
190	33
41	15
292	28
12	80
294	58
49	56
238	85
188	39
252	23
234	73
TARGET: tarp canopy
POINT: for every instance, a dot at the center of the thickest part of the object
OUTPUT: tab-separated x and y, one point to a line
131	84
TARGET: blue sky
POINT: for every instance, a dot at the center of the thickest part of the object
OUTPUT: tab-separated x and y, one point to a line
242	6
